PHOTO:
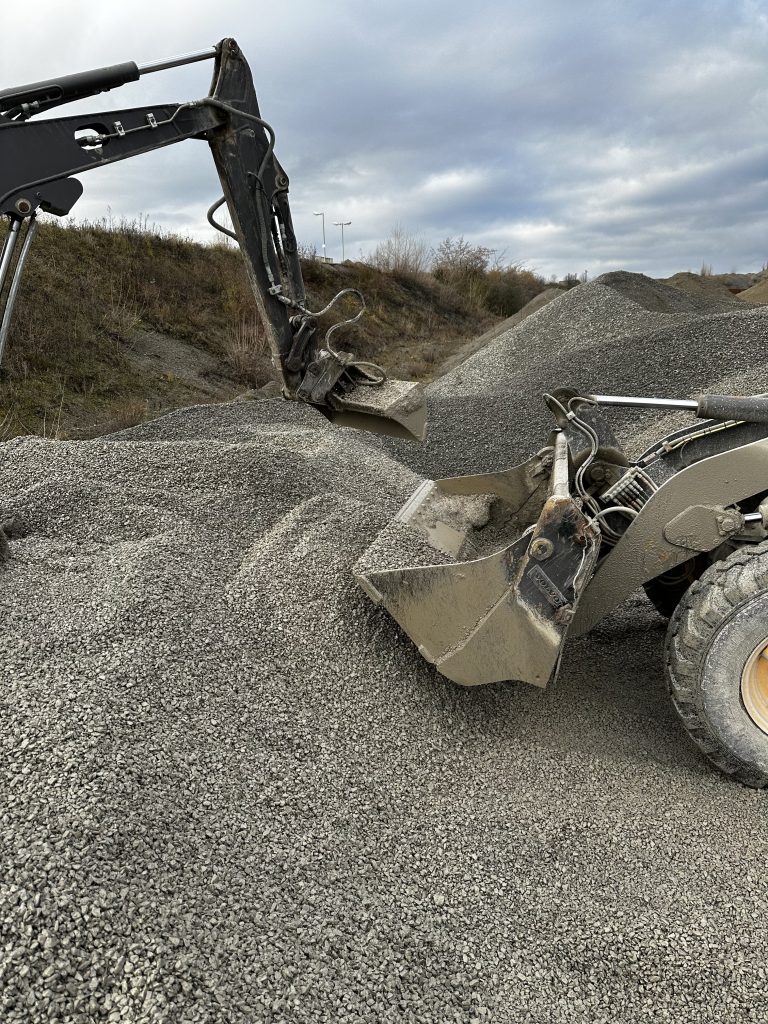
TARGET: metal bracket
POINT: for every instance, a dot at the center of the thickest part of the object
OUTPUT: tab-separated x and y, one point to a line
644	550
703	527
320	377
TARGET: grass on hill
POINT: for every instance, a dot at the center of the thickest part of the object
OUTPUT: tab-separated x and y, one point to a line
91	292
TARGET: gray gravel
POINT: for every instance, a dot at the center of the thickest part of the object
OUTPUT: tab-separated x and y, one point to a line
608	336
234	792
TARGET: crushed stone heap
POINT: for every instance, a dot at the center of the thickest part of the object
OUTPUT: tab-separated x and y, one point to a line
232	790
620	334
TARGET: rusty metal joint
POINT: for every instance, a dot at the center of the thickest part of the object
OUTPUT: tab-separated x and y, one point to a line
564	616
541	549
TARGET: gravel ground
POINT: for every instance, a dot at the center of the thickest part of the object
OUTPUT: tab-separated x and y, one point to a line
234	792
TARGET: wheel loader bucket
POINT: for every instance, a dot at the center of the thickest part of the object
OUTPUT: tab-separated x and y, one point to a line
484	572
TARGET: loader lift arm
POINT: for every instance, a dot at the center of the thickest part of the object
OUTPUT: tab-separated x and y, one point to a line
38	161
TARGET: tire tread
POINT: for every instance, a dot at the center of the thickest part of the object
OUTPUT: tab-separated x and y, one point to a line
706	605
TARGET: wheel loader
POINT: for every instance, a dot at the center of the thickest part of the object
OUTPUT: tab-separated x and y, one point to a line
488	574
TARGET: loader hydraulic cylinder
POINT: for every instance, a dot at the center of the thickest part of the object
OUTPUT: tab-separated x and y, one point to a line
747	409
751	409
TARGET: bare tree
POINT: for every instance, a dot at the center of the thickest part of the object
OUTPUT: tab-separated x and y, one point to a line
401	253
455	260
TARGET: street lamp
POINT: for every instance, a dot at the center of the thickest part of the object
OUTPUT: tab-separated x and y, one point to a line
322	214
342	224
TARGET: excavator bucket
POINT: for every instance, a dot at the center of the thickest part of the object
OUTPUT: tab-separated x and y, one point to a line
484	573
395	407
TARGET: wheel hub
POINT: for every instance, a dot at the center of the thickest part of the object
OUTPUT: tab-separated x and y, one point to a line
754	686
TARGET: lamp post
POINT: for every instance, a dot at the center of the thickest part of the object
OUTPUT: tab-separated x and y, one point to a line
322	214
342	224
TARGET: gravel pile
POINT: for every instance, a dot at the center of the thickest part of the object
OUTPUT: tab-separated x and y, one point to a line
621	334
233	792
757	293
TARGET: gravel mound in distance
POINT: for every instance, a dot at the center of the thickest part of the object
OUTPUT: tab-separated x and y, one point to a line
233	792
757	293
609	336
711	288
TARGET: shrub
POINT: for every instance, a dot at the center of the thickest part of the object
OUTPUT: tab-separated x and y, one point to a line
401	253
463	266
455	260
510	288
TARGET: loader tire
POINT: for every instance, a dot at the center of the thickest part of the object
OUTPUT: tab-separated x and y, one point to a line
717	664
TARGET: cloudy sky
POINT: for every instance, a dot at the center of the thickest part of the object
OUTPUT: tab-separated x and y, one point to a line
568	136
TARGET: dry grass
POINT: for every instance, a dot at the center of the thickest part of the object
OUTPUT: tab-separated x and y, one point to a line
408	315
68	369
129	412
124	312
247	351
87	288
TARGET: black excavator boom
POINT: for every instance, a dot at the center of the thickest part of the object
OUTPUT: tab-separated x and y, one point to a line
39	160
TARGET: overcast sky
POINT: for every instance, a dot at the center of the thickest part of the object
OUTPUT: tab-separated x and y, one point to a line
569	136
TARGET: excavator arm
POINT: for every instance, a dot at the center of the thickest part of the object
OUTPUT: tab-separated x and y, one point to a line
39	160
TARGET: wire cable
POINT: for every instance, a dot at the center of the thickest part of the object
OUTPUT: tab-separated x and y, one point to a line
614	508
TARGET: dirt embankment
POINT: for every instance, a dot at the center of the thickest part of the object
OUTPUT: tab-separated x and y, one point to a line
747	287
115	326
757	293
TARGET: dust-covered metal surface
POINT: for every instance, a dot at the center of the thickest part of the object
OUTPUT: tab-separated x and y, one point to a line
495	566
644	552
394	407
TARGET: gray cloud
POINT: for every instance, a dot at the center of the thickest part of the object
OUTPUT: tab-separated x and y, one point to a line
569	136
